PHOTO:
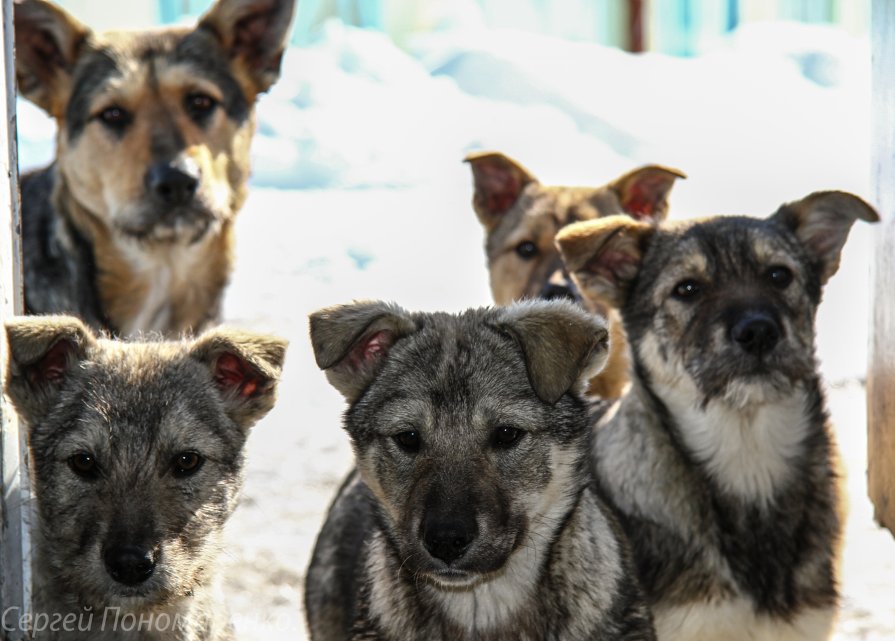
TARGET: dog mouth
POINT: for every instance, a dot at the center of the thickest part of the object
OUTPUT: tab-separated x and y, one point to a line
187	225
451	579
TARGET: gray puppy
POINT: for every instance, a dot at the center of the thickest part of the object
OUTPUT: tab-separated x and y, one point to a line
472	514
720	457
137	457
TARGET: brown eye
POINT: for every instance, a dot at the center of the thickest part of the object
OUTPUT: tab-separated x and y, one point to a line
505	436
408	441
199	106
526	250
687	290
779	276
84	465
187	464
114	117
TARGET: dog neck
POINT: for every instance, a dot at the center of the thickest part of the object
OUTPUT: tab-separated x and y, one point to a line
750	452
144	287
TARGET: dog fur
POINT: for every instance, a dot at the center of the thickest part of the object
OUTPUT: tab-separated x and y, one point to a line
131	227
137	461
521	217
472	514
720	458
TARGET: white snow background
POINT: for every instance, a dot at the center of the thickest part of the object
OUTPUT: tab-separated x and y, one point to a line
359	192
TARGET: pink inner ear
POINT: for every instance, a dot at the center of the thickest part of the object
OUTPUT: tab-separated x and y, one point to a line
53	366
231	373
642	198
611	264
500	185
373	348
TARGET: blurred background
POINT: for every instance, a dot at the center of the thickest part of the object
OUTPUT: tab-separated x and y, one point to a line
358	191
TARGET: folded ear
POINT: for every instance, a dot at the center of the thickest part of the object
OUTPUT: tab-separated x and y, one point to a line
43	352
498	181
351	342
48	41
604	255
562	344
245	368
253	33
643	193
821	221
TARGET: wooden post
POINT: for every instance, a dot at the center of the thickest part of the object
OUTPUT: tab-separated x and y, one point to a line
15	546
881	368
636	26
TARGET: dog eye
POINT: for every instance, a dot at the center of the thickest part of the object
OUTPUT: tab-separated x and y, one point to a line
506	436
686	289
780	276
199	106
526	250
114	117
187	464
408	441
84	465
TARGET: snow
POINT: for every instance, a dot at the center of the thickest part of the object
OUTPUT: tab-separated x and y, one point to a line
359	192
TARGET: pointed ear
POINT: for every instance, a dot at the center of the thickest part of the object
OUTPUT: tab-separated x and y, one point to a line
643	193
604	255
43	352
245	368
498	181
48	41
563	345
821	221
253	33
351	342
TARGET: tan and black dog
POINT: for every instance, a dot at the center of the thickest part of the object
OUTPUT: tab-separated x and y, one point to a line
131	227
521	218
720	458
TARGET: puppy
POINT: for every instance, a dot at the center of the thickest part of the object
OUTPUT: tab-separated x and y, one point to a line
472	513
720	458
521	217
131	227
136	459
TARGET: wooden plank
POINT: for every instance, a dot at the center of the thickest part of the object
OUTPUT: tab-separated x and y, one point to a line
881	372
15	548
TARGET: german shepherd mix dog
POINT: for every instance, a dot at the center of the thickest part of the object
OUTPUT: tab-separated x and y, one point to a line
472	514
720	458
136	459
131	228
521	217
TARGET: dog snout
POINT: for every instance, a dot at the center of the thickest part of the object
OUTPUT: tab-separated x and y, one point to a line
173	184
559	286
129	564
449	539
756	333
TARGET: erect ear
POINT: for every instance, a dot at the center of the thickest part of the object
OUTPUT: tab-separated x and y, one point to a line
498	181
245	368
821	221
351	342
253	33
604	255
562	344
643	193
48	41
43	352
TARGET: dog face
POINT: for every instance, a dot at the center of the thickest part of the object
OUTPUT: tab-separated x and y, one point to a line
153	127
521	218
722	308
137	452
463	426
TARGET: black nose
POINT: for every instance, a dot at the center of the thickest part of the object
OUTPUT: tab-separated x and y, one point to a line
449	540
756	333
129	564
557	292
173	184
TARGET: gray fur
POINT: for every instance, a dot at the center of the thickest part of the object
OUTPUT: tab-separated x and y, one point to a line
135	408
720	460
545	559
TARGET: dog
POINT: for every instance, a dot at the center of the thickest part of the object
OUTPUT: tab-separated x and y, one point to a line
136	456
472	514
131	227
521	217
720	457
